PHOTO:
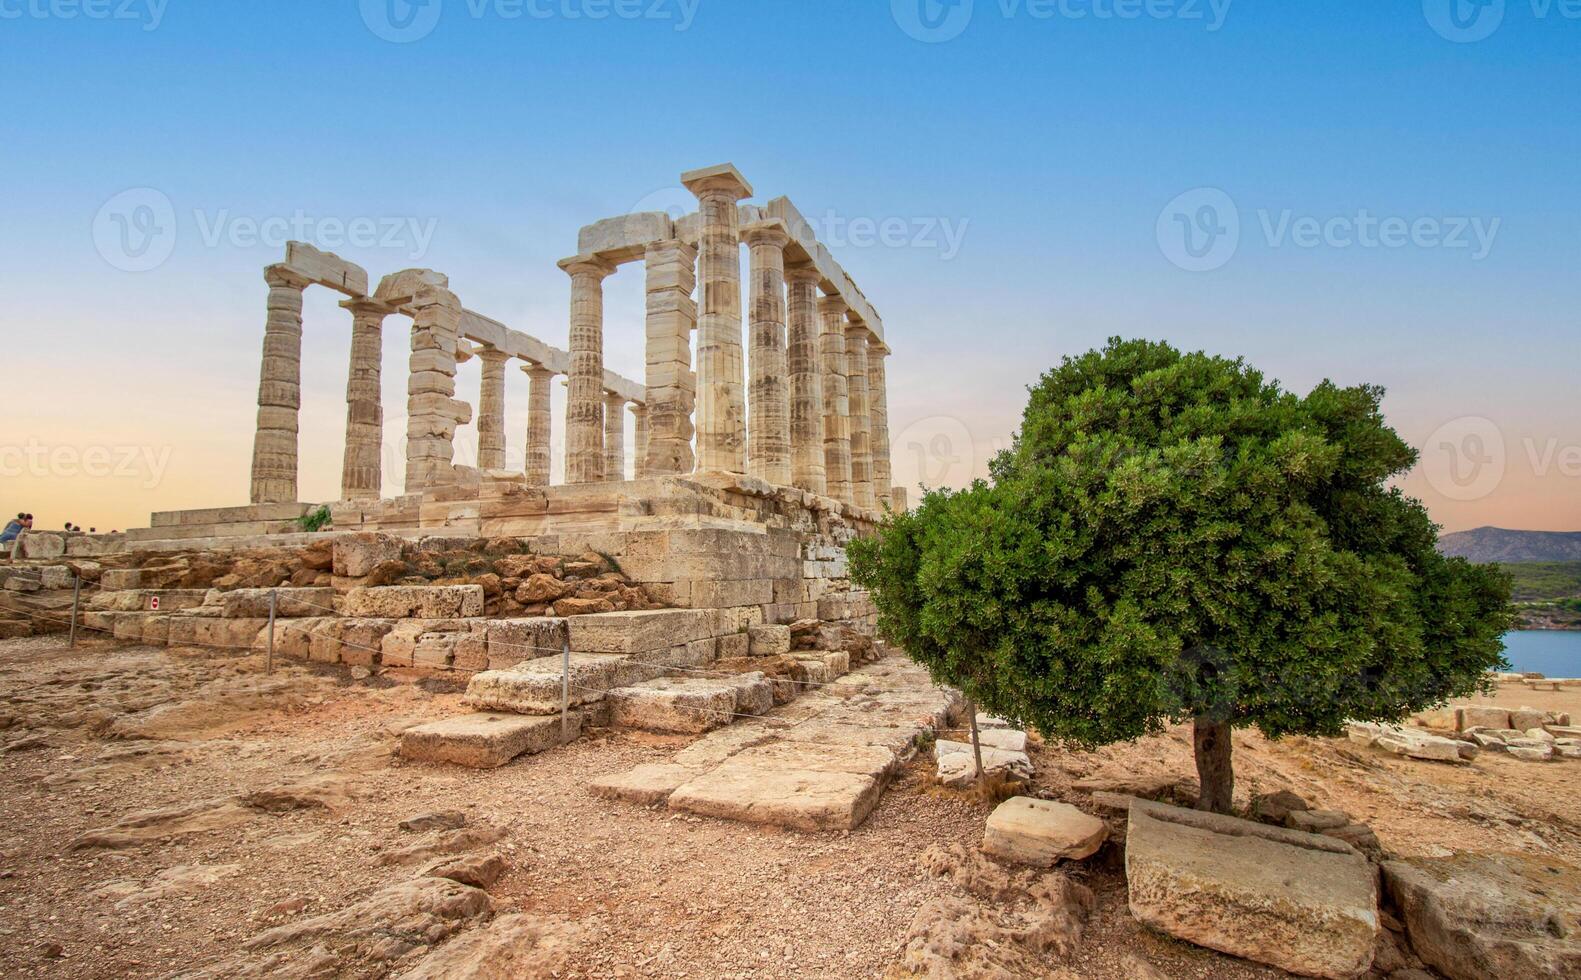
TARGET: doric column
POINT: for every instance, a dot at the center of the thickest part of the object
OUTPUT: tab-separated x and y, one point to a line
491	410
361	472
584	412
768	395
836	399
878	411
804	365
538	424
614	437
861	423
639	466
672	387
721	407
432	411
279	390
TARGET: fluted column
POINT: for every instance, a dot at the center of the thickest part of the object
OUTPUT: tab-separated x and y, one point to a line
672	387
639	466
804	365
861	432
836	399
361	472
432	411
538	424
279	390
614	437
721	407
584	413
878	411
491	410
768	395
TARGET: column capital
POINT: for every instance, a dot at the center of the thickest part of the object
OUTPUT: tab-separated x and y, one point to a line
587	265
856	329
537	371
722	179
876	348
491	354
802	272
367	306
284	277
769	232
832	304
614	400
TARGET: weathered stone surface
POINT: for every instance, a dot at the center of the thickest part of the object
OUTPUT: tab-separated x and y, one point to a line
639	631
1042	832
512	641
356	555
416	601
645	785
1303	903
769	641
535	688
1490	916
510	947
685	705
802	799
957	763
485	740
1481	716
254	603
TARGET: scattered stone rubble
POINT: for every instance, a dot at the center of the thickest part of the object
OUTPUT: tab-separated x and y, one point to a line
1457	734
1004	753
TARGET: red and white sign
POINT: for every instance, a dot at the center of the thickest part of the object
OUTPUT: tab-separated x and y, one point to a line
153	603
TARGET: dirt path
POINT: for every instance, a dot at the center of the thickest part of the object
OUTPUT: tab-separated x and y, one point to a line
217	803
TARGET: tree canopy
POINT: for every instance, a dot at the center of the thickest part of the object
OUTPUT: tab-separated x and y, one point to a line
1172	536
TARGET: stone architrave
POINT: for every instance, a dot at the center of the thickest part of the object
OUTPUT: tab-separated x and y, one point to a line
361	473
721	407
584	413
491	410
432	411
614	437
279	390
768	394
671	268
804	365
538	424
878	412
861	421
836	399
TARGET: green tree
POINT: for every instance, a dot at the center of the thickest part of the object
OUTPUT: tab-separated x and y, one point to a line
1170	538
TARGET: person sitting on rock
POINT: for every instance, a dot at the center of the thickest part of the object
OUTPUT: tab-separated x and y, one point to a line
14	532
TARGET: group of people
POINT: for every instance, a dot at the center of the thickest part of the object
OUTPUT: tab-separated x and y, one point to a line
15	531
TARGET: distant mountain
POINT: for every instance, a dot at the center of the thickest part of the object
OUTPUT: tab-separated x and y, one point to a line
1485	544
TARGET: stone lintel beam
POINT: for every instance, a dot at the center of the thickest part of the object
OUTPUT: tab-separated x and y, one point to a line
326	269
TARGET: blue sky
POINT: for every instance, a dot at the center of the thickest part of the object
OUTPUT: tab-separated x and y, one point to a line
1027	162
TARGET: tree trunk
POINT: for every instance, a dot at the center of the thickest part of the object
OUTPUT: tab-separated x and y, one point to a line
1211	740
977	746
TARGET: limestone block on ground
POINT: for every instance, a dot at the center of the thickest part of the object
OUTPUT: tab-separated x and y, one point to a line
1301	902
683	706
1008	739
534	687
754	693
644	785
289	603
1537	752
837	663
769	641
416	601
1481	716
1042	832
731	646
1490	916
201	631
355	555
451	650
485	740
55	577
39	545
957	763
801	799
116	579
1524	718
354	642
512	641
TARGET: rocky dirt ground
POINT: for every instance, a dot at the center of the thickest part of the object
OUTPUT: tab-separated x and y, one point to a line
169	813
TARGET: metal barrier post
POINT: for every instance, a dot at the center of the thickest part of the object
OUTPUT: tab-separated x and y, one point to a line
76	594
269	657
565	687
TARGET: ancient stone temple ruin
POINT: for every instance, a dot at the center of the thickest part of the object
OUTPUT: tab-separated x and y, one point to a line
703	590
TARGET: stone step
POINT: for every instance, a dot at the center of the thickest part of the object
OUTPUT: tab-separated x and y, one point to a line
415	601
487	740
138	600
534	686
689	705
639	631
